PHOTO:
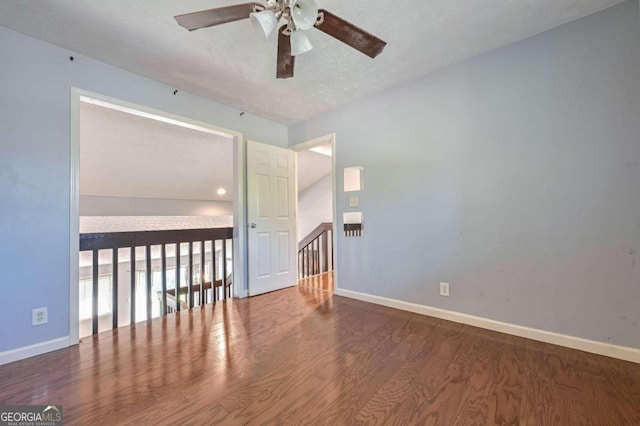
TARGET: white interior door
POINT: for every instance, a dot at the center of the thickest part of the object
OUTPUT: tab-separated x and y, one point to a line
271	217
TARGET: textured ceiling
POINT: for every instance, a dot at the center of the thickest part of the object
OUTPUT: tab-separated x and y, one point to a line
232	65
125	155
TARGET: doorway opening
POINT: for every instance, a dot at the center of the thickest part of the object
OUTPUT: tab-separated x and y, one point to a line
316	213
157	209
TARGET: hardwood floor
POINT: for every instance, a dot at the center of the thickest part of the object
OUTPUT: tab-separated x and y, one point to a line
322	281
304	356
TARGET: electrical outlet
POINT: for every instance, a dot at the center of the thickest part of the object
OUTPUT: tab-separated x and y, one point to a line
444	289
39	316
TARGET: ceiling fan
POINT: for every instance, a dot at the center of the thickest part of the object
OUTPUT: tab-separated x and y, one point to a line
300	15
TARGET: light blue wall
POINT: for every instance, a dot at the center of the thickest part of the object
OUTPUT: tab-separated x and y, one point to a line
35	83
514	176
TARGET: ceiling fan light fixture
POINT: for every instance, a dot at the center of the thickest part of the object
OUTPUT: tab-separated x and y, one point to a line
264	22
299	43
304	13
300	15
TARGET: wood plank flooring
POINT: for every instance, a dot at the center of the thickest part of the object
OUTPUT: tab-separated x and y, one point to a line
304	356
322	281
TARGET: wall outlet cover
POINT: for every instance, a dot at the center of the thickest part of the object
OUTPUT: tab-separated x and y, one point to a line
444	289
39	316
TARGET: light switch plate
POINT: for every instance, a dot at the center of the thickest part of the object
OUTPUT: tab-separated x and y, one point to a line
354	201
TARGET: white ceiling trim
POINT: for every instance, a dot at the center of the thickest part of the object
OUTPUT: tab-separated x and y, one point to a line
150	116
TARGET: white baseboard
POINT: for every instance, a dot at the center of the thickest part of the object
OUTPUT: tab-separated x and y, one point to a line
33	350
593	346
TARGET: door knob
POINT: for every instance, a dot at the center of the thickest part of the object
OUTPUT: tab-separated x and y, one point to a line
253	225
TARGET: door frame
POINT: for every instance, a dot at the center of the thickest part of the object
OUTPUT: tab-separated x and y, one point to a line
312	143
239	192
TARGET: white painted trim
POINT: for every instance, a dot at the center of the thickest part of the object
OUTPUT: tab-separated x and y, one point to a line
296	210
614	351
303	146
164	118
336	230
74	219
240	253
33	350
92	97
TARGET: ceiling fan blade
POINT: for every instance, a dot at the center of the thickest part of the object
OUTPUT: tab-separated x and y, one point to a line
220	15
349	34
286	62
